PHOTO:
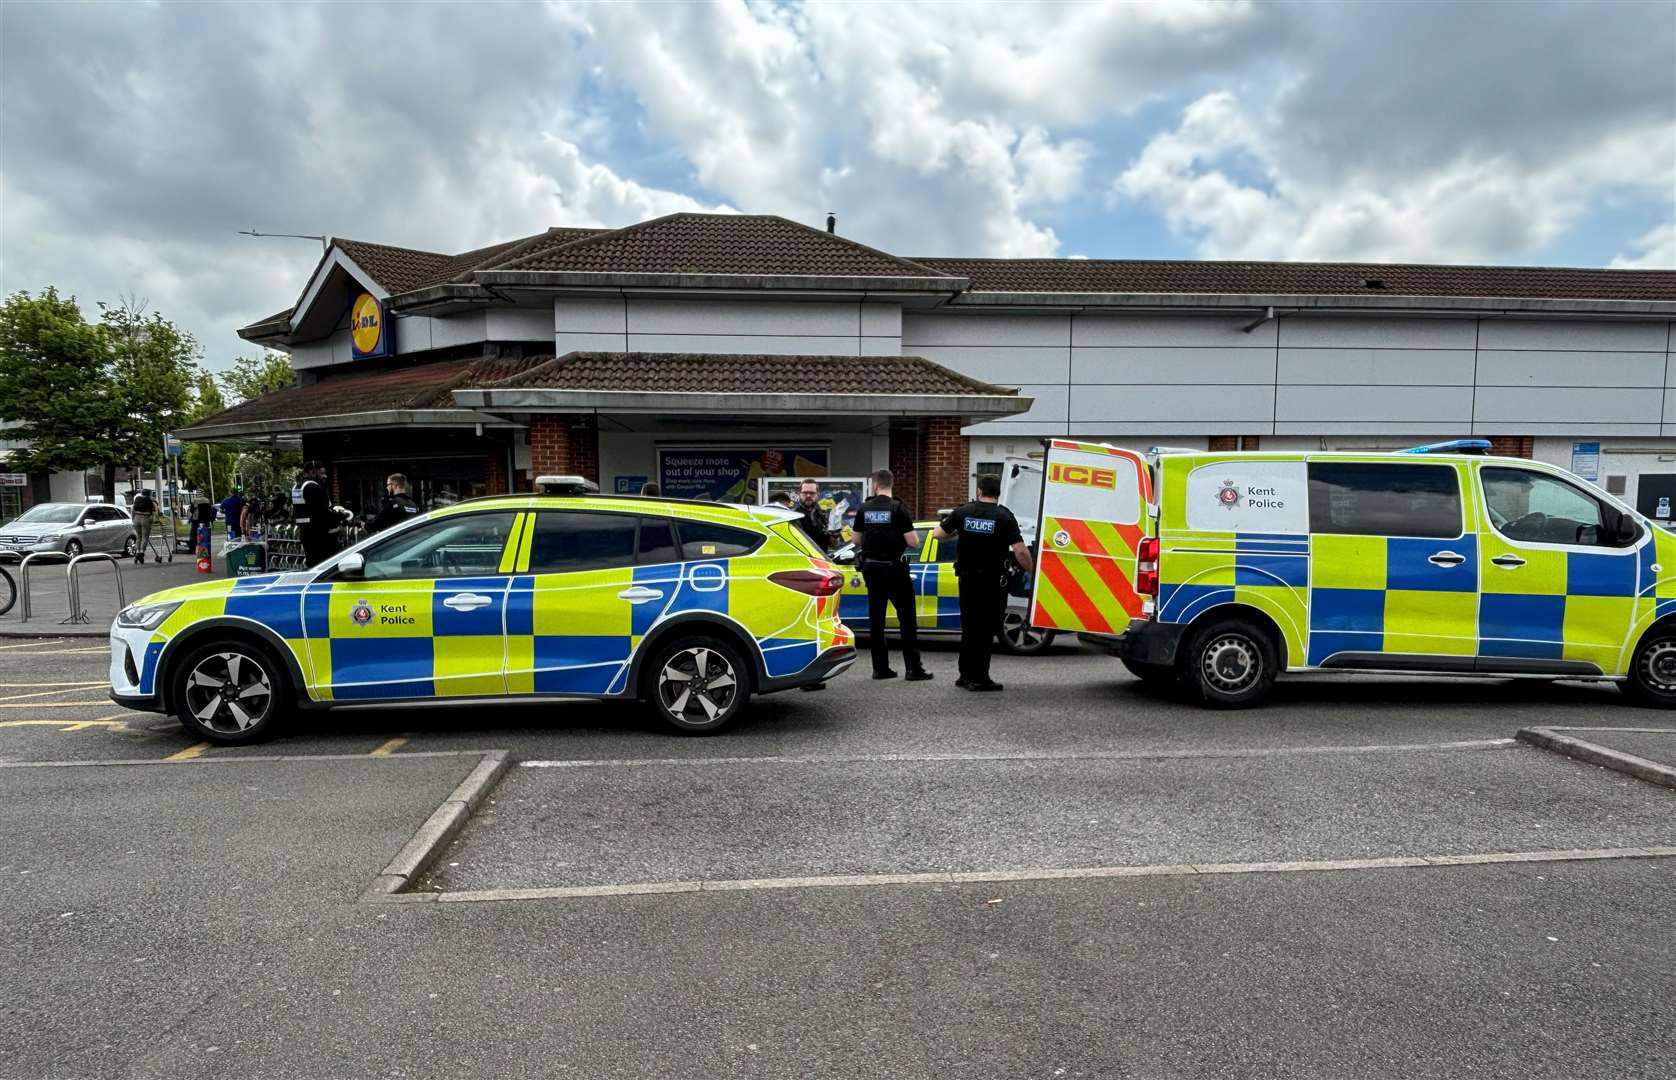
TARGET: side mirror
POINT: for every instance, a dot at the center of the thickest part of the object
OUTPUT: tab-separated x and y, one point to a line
350	566
844	556
1621	527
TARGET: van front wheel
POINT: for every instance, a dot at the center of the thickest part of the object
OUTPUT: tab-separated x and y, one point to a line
1231	663
1652	675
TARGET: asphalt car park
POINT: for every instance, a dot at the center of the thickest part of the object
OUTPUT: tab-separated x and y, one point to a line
1079	876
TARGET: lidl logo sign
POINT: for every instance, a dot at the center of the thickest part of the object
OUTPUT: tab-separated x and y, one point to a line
369	329
1082	475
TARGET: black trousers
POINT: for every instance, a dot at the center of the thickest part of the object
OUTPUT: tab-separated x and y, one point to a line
318	545
889	582
982	603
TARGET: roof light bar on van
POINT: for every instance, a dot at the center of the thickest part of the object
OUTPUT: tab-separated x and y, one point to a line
1453	446
1154	451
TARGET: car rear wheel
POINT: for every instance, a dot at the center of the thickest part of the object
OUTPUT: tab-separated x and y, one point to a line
698	685
1019	638
1230	663
1652	673
230	692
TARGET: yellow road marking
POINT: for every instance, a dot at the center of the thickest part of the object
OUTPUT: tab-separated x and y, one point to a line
110	724
195	750
42	693
49	704
31	685
33	644
389	748
67	725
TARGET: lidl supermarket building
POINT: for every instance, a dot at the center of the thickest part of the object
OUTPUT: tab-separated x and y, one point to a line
702	350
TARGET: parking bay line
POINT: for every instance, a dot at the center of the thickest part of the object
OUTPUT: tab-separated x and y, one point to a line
388	747
46	693
32	644
1050	874
52	704
194	751
1110	755
71	685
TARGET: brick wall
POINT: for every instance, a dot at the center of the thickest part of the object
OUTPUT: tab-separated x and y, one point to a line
905	463
559	447
948	475
494	475
1513	445
1234	442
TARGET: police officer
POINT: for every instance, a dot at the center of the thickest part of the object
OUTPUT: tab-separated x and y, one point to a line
396	507
988	531
313	514
884	533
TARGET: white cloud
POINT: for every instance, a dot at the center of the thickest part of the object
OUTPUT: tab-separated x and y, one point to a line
1654	251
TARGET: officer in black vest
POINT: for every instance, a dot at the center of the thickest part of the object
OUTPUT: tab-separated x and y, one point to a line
988	533
396	507
884	532
314	515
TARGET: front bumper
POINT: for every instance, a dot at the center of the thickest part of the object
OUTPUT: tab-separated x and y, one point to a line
133	669
1148	641
829	664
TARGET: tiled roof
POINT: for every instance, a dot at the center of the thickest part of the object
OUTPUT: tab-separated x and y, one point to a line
418	386
529	247
717	373
1394	279
746	244
397	269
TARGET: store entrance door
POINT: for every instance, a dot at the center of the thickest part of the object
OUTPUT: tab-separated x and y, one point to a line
432	482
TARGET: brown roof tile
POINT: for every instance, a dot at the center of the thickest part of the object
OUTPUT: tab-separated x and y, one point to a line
1395	279
716	373
397	269
753	244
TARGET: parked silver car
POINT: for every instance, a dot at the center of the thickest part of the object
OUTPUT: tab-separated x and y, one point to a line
72	528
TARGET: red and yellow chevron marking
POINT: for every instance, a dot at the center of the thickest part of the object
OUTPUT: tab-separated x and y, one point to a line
1089	583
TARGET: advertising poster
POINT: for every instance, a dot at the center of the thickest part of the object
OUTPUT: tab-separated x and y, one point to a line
721	474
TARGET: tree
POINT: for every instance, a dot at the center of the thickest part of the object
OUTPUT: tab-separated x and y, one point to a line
252	376
54	383
202	462
152	363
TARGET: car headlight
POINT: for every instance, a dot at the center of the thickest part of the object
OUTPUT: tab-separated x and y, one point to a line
145	616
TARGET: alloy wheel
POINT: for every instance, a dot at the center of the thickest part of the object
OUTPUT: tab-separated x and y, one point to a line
698	684
1020	635
229	692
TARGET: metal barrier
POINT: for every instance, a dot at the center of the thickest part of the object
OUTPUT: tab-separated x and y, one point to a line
73	580
23	573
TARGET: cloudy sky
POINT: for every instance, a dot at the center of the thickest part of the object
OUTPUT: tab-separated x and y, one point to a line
137	138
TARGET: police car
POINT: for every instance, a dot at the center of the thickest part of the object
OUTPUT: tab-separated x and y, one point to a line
936	596
1222	570
690	607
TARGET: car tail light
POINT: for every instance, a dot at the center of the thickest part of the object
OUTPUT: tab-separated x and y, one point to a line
812	582
1146	566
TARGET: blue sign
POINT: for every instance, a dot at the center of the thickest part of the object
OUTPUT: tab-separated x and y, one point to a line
630	485
1585	460
721	474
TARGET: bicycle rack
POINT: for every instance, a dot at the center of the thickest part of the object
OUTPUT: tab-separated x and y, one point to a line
23	574
73	584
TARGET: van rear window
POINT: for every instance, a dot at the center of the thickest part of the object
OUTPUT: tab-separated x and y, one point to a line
1358	498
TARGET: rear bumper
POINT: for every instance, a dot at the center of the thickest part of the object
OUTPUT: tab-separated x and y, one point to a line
1150	642
827	665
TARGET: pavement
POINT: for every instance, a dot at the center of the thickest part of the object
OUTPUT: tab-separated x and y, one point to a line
1434	900
49	592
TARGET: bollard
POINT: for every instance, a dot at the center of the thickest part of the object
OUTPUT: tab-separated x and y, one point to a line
72	577
24	574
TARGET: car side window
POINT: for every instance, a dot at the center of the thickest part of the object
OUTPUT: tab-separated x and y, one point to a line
466	545
702	540
1354	498
567	541
657	542
1537	508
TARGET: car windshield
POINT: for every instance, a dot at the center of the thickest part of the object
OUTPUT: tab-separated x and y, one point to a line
53	513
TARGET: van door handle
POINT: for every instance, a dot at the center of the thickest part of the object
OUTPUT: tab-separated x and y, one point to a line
1447	558
1508	562
466	601
640	594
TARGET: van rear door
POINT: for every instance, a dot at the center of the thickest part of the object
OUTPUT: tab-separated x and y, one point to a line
1092	517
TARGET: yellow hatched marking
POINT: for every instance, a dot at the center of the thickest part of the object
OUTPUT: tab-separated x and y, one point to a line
389	747
194	751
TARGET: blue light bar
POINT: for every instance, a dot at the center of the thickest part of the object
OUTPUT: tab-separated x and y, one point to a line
1453	446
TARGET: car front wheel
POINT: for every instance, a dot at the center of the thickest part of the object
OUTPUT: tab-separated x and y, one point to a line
229	692
698	685
73	548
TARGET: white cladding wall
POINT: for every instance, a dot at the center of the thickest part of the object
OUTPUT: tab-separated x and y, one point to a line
807	328
1099	375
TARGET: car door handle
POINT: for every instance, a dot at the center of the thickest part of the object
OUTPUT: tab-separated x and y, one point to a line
1508	562
640	594
467	601
1447	558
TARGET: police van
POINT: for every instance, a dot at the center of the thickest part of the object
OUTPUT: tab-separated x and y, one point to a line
1222	570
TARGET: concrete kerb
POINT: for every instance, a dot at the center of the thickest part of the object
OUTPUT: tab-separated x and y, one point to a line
1604	756
442	826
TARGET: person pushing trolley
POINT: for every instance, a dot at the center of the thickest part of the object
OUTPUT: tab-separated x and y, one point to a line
988	531
884	533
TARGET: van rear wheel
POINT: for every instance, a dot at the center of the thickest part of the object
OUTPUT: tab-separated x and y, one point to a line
1652	673
1230	663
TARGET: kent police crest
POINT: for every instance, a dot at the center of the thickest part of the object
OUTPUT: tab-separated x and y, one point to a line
362	614
1229	496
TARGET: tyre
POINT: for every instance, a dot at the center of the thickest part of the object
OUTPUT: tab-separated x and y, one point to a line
1652	672
230	692
1019	638
1230	663
131	547
8	591
73	548
1156	674
697	685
